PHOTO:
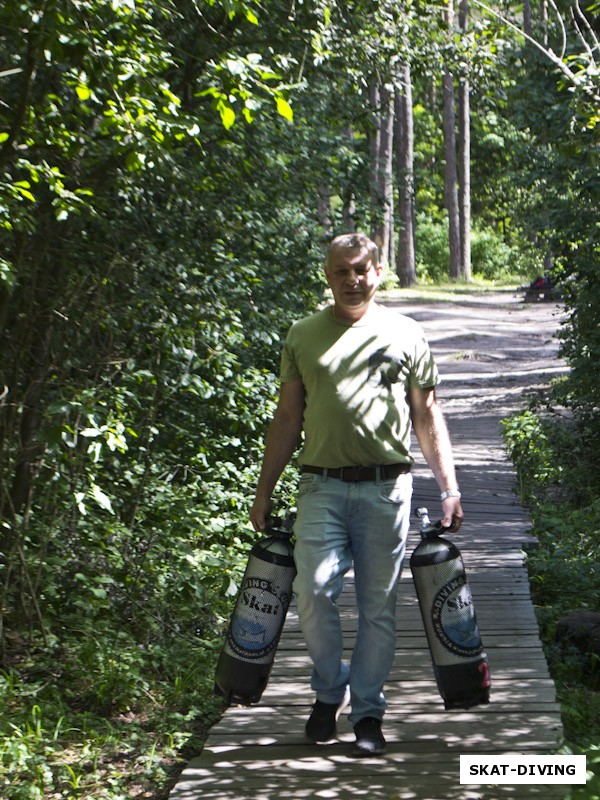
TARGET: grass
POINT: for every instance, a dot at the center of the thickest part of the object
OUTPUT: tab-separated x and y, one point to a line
453	291
51	747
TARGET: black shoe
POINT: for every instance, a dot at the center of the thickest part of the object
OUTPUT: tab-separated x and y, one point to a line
321	724
369	738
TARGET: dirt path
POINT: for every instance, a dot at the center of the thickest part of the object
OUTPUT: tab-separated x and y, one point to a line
493	350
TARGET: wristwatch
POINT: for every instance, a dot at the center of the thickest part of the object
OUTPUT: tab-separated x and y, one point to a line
450	493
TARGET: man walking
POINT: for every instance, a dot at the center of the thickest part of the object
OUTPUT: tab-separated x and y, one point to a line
355	376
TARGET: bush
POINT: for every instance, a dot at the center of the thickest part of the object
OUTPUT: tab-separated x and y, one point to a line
432	250
529	443
491	257
389	279
563	565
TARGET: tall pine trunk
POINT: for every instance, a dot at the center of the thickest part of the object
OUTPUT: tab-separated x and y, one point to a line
324	209
464	154
349	207
406	262
527	17
450	176
450	170
382	185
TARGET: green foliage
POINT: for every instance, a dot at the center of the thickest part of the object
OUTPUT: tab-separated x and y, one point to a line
154	260
563	190
591	790
49	748
581	336
389	279
566	558
529	446
563	566
432	250
491	257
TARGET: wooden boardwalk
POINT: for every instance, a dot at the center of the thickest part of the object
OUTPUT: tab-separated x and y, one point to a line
491	353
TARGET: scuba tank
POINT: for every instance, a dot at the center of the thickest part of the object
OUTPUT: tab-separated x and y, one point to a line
257	620
460	666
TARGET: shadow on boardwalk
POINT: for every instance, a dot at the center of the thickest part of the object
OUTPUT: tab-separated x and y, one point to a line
491	353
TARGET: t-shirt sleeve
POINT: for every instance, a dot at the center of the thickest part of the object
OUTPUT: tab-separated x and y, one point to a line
289	369
424	374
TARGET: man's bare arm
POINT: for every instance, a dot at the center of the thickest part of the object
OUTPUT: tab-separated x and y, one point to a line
281	441
432	434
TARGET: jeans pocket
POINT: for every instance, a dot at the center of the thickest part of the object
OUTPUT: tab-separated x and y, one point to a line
308	484
397	490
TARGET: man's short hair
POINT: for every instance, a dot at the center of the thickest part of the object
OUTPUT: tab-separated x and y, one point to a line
355	241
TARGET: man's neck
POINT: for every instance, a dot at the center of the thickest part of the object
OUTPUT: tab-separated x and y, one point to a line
350	318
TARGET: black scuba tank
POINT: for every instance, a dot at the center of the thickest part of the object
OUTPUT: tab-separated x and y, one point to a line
459	663
257	620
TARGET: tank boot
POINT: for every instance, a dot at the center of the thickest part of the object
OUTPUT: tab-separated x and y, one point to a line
322	723
370	740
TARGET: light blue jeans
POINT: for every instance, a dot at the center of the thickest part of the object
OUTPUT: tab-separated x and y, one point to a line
340	525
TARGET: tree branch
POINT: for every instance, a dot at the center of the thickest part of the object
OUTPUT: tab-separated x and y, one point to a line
588	88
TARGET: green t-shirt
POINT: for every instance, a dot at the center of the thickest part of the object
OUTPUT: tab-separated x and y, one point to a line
356	379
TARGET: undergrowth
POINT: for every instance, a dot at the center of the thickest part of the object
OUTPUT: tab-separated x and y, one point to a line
556	481
52	747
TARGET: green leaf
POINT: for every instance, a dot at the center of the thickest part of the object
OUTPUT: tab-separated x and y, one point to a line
83	92
284	108
227	114
90	432
25	193
79	498
134	161
102	499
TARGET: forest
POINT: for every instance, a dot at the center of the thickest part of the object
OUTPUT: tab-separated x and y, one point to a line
170	171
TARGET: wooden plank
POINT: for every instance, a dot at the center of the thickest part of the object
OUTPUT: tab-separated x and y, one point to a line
415	640
294	783
287	724
409	618
507	690
525	662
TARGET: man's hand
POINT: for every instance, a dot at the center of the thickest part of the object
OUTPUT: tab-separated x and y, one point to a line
453	513
260	512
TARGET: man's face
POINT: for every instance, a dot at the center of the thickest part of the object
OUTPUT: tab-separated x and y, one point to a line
353	279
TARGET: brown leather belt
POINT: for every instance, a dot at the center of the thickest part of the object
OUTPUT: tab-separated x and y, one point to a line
352	474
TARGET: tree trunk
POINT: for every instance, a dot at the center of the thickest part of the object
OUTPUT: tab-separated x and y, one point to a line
348	211
324	209
450	176
349	207
387	158
374	144
31	448
464	151
450	169
406	262
527	17
382	186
